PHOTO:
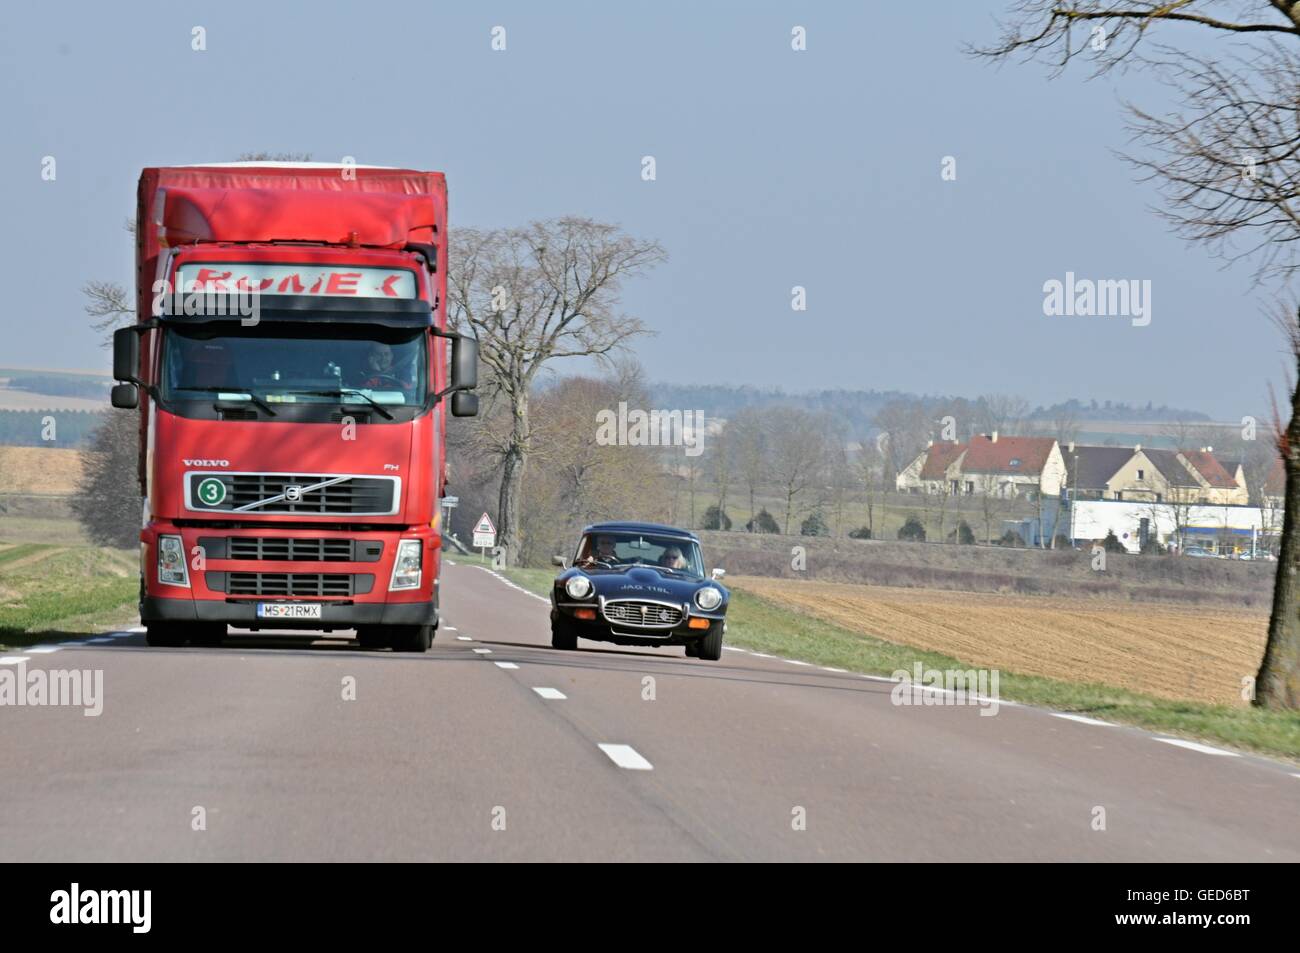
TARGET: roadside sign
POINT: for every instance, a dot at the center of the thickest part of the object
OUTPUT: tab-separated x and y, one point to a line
450	501
485	534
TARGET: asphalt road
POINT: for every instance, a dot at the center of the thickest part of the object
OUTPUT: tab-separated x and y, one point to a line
466	754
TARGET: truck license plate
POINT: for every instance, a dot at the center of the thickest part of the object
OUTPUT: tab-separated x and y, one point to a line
288	610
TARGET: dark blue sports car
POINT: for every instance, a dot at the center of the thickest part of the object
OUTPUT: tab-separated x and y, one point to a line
639	584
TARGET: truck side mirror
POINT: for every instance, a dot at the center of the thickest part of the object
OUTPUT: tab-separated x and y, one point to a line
126	356
464	364
464	404
125	396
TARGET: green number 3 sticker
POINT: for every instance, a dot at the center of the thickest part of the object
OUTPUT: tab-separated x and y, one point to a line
212	492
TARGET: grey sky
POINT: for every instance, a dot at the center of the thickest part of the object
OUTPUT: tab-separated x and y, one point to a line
775	169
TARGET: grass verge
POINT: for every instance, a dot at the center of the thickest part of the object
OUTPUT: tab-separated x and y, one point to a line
48	591
760	624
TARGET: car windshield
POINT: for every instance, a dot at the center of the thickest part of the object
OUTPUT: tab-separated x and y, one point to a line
662	552
296	363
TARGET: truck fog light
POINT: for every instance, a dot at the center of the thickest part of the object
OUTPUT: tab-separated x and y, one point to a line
171	562
408	565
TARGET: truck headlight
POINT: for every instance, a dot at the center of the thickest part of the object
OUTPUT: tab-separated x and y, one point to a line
171	562
708	598
579	587
408	565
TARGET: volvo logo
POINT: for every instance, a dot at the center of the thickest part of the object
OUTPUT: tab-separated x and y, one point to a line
206	463
293	493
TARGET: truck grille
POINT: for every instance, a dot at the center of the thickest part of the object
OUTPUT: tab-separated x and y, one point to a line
650	615
261	493
320	584
288	549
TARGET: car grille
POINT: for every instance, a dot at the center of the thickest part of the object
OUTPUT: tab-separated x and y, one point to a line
652	615
246	492
288	549
321	584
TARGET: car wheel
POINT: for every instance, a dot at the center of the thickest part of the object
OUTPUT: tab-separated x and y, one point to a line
693	649
711	644
563	636
411	638
167	635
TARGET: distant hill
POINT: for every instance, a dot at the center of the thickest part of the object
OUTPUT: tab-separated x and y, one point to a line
857	409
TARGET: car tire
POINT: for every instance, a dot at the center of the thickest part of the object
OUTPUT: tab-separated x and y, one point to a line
693	649
562	636
710	646
166	635
411	638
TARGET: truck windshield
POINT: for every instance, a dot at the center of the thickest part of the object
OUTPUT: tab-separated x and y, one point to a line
294	364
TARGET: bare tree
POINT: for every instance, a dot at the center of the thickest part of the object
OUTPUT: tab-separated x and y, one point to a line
1004	413
108	501
1226	165
107	303
749	440
799	443
533	294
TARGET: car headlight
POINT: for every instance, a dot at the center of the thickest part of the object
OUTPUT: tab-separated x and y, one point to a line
708	598
408	566
578	587
171	561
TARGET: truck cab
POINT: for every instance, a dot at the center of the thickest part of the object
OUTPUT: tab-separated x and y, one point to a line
292	369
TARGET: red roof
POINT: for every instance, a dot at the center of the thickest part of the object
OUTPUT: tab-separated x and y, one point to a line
1007	455
939	458
1210	468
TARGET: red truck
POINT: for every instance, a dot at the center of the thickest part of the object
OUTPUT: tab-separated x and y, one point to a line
292	371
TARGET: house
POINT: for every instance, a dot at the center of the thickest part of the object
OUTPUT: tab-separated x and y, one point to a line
1012	466
1173	480
936	469
1099	473
1273	493
1218	485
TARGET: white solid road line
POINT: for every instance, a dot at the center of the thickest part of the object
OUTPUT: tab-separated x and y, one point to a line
554	694
1081	719
481	651
838	671
505	664
1203	749
41	649
12	659
625	756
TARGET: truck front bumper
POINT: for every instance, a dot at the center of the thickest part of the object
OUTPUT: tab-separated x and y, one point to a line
243	614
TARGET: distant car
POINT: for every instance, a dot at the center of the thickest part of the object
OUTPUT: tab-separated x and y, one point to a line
639	584
1199	552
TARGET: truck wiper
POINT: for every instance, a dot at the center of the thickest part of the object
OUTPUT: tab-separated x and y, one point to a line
341	393
239	391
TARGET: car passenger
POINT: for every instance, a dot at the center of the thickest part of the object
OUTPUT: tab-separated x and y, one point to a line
672	558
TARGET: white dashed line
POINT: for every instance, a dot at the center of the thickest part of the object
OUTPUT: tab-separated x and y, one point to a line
481	651
732	648
41	649
505	664
1203	749
450	563
463	638
761	655
838	671
1081	719
498	575
625	756
451	628
12	659
797	662
554	694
